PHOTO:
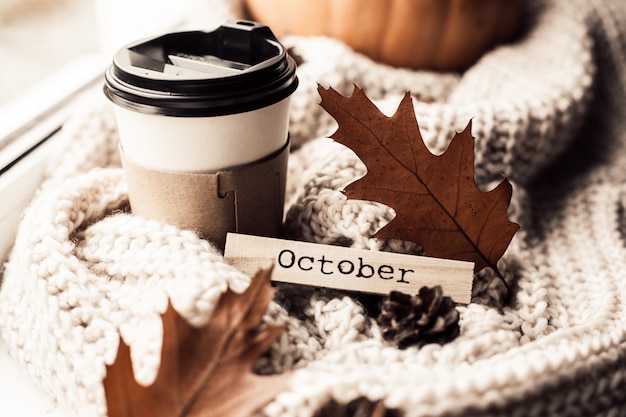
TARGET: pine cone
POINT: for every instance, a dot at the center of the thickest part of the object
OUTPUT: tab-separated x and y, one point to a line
360	407
427	317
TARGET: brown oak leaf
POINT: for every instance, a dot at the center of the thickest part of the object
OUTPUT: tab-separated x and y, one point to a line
204	371
437	202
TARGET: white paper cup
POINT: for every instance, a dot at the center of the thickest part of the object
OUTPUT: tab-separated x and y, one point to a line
205	103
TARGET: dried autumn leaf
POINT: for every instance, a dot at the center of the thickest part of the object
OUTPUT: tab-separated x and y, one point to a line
204	371
436	200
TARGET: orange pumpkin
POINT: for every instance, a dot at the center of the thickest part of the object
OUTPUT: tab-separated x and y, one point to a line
435	34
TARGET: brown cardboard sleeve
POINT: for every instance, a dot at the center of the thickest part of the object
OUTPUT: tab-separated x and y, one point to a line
246	199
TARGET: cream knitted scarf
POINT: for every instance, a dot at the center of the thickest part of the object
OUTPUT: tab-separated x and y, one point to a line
548	112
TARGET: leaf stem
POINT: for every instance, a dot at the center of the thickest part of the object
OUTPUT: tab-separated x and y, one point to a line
506	285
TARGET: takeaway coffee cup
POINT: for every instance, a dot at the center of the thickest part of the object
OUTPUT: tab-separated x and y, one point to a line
203	125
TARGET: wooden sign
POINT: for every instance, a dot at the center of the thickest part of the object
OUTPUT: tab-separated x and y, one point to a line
349	269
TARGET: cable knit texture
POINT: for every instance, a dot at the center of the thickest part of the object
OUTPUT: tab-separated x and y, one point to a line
548	112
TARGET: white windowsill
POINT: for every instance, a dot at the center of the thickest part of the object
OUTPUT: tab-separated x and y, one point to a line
19	395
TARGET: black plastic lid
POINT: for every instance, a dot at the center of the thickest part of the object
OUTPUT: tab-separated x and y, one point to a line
238	67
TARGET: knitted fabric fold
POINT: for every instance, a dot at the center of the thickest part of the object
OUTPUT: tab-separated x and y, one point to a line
548	112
